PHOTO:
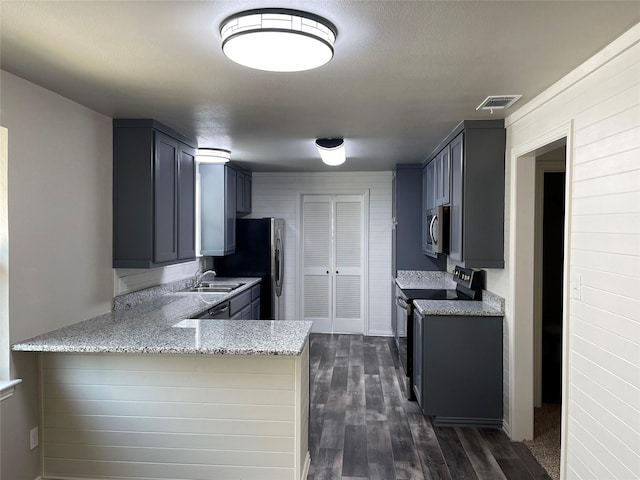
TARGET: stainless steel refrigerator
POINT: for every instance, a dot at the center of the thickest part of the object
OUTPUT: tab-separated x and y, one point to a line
259	253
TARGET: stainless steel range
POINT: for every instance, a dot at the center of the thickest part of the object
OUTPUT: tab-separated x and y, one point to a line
469	285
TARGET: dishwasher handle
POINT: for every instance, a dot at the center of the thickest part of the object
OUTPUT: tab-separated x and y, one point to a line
219	311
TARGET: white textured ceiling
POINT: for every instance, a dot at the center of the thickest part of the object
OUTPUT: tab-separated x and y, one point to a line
403	75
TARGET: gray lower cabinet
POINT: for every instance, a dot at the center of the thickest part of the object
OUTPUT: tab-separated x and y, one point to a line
417	357
243	305
458	368
255	302
153	195
255	309
217	210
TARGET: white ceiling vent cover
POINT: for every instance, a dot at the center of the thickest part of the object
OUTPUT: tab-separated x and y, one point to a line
498	102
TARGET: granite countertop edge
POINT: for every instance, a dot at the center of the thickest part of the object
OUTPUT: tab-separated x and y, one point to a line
151	322
41	348
491	304
457	308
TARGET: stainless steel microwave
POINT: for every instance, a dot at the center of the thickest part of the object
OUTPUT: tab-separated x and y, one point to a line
436	235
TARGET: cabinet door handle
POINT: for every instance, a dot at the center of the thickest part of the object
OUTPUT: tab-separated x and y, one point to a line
337	272
327	272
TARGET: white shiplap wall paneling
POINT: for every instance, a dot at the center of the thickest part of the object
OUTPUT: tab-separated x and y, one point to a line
175	416
602	100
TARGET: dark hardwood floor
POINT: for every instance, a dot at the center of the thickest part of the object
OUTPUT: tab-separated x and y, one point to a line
362	426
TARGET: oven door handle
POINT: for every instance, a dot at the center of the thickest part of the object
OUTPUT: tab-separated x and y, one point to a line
402	303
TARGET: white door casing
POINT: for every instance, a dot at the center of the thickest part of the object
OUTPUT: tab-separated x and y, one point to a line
332	262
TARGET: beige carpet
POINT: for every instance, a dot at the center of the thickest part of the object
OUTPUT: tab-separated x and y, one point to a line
545	445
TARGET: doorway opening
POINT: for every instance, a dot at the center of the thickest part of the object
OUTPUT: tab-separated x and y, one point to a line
550	181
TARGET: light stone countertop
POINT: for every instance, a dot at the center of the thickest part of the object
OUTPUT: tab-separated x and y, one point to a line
491	304
458	307
165	324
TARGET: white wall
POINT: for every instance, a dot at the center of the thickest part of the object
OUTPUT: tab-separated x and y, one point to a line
277	195
59	209
598	105
4	257
59	237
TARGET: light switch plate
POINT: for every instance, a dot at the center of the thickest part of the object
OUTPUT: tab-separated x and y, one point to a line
576	287
33	438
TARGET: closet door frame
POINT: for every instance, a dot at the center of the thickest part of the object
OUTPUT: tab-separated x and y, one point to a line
365	194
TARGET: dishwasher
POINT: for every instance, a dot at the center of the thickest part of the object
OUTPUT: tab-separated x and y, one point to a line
219	311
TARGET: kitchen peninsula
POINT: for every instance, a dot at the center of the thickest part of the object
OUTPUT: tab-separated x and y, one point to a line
149	391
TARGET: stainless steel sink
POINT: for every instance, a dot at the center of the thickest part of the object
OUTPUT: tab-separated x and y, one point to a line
215	287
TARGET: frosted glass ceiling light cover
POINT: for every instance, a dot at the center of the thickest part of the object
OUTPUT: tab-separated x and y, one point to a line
212	155
331	150
278	40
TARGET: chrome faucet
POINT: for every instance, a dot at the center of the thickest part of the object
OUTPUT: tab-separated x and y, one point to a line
200	276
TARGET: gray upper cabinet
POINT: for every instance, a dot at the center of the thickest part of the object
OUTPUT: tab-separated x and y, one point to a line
442	178
437	180
186	202
435	192
476	196
217	209
429	190
455	210
407	229
153	195
243	192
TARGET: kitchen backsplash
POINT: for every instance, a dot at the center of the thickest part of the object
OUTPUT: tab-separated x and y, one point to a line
418	275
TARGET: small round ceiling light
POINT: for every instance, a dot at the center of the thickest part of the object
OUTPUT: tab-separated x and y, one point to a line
278	39
331	150
212	155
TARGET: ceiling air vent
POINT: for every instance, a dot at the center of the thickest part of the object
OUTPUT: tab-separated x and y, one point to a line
498	102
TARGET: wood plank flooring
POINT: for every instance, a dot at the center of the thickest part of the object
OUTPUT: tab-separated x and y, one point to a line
362	426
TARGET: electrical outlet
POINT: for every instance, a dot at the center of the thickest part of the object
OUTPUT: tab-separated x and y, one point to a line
33	438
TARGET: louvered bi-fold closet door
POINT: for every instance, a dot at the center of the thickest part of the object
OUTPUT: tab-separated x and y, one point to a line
316	226
347	245
333	262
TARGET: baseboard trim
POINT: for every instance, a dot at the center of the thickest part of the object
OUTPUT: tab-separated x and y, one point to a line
506	428
466	422
380	333
305	468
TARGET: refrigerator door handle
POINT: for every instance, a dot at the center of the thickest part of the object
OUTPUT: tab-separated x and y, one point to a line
279	265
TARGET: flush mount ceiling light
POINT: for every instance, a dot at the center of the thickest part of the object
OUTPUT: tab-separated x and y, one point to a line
278	39
331	150
212	155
